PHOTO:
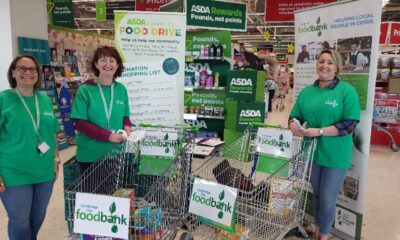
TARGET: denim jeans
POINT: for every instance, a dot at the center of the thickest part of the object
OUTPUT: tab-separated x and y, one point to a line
326	183
26	209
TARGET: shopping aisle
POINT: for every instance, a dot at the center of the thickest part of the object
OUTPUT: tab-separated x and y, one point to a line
382	206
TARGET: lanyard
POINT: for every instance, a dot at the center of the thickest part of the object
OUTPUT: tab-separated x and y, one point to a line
37	123
107	110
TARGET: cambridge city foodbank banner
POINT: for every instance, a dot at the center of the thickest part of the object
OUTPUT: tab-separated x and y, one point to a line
102	215
214	204
152	46
343	26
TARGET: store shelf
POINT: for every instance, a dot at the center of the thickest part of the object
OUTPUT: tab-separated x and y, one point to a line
211	117
190	89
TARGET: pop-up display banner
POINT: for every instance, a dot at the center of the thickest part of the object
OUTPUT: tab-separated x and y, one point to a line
338	26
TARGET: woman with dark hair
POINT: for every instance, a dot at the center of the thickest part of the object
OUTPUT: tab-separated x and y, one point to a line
331	109
100	109
29	159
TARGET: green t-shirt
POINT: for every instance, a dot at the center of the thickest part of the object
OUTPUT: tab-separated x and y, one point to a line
88	105
20	162
322	107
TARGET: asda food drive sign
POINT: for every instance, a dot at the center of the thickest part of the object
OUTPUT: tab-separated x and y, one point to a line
101	215
214	204
216	15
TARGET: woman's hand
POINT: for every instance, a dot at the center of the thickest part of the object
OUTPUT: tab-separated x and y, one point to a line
56	168
312	132
117	138
295	130
2	186
128	130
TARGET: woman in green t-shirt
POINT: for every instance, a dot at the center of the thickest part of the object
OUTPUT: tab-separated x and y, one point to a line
331	109
29	159
100	109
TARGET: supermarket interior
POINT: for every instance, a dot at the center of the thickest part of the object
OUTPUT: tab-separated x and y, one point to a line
216	122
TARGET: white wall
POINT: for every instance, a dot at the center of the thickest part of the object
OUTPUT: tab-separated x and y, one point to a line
5	42
19	18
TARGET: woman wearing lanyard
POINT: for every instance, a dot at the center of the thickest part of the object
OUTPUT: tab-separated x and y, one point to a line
29	159
100	109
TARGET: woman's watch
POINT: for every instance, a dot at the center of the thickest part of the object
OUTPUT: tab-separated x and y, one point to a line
321	132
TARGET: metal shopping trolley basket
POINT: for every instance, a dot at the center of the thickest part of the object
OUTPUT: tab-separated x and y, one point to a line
158	198
270	189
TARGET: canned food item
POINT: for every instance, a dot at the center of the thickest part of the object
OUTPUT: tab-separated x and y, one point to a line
218	111
396	62
396	72
383	61
384	72
209	110
202	109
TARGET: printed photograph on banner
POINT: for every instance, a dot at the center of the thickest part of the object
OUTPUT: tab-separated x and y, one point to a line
355	53
309	52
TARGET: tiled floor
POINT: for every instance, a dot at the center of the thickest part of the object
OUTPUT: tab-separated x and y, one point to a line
382	206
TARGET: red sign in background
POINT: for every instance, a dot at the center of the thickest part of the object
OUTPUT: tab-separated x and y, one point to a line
282	10
150	5
384	30
394	37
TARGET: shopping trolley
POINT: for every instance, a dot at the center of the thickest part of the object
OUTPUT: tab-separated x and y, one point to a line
268	203
160	200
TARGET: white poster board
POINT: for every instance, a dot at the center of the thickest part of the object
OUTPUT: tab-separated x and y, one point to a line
102	215
152	46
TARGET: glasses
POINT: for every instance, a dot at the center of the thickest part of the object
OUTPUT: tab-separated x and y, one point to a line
23	69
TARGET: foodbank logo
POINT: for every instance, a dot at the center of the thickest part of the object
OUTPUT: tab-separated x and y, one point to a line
110	218
280	143
165	143
317	27
211	202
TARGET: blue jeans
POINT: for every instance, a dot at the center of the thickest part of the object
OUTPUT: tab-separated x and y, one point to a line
26	209
326	183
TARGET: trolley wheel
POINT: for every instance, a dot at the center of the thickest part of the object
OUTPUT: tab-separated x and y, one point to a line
394	147
186	236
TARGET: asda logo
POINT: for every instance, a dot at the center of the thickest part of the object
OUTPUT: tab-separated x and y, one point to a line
250	113
104	218
241	82
200	9
317	27
276	143
211	202
136	21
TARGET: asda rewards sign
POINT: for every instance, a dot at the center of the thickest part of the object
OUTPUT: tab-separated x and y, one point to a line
214	204
216	15
242	85
101	215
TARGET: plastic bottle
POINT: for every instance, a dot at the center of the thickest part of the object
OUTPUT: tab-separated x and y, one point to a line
216	79
205	51
203	78
197	77
211	50
210	79
220	51
202	50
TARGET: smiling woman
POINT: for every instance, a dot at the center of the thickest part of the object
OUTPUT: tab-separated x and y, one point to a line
331	109
29	158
